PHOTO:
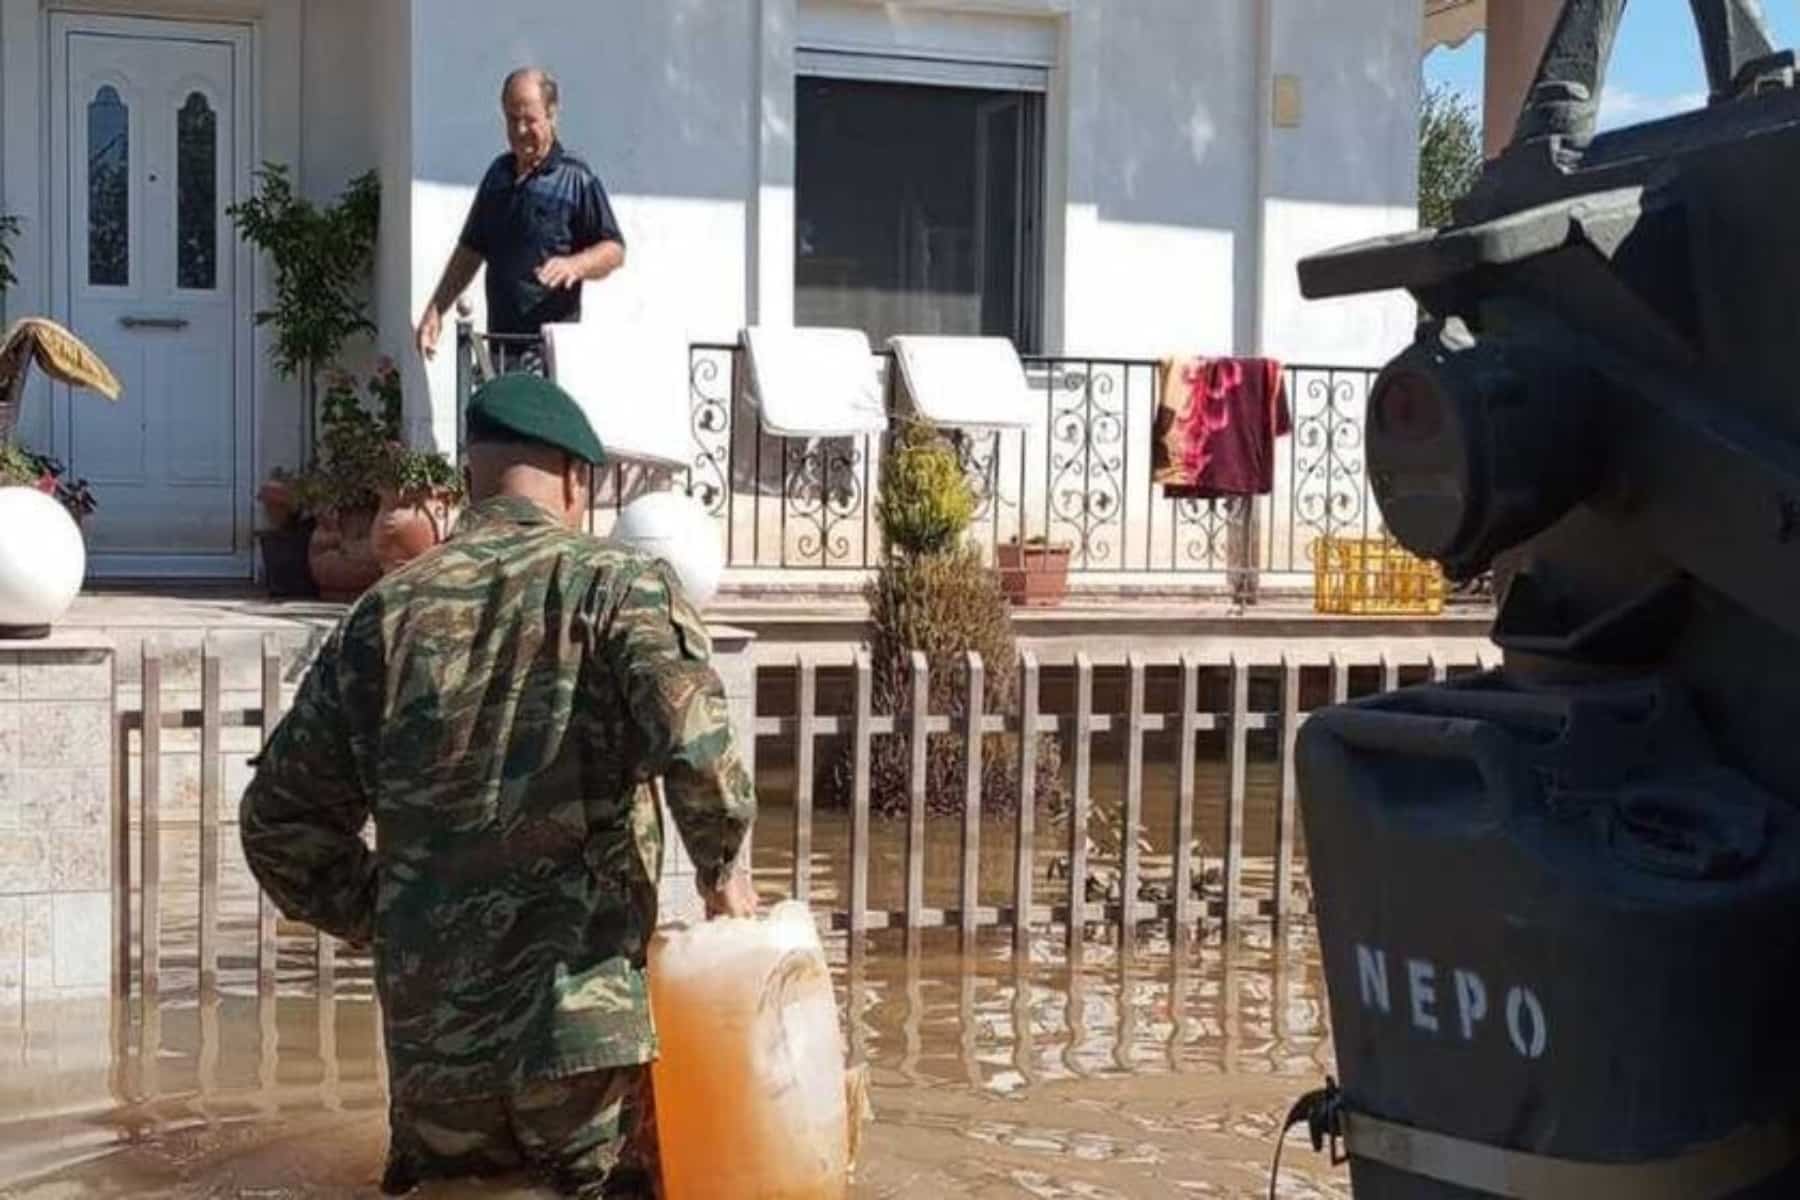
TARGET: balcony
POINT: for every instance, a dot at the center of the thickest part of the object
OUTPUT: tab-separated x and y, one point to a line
801	512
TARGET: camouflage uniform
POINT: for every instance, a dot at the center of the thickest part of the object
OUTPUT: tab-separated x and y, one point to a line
500	707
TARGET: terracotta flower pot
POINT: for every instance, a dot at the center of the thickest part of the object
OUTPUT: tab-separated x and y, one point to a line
342	561
407	525
1033	575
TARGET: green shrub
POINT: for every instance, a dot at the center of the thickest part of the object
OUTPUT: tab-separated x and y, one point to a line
925	505
946	605
934	595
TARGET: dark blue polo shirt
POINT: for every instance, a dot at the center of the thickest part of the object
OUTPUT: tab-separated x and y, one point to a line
515	224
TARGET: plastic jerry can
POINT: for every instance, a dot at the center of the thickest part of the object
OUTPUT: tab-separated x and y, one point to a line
750	1082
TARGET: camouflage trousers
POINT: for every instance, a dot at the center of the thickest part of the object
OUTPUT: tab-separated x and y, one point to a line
589	1135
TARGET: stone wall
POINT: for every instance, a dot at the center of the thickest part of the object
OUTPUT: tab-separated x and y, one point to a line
56	818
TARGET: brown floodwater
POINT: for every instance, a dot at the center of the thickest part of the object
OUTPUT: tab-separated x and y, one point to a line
1162	1070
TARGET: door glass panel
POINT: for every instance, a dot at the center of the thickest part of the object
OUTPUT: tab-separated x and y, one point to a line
197	207
915	209
109	190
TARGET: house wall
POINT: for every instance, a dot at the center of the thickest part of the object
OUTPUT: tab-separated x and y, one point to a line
1176	204
1177	211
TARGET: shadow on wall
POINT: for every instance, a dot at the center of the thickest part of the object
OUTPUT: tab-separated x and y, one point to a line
653	91
1180	110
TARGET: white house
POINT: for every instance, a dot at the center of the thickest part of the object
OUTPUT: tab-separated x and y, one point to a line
1112	178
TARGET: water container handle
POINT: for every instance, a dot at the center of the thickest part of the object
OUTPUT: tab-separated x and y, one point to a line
1480	744
1687	834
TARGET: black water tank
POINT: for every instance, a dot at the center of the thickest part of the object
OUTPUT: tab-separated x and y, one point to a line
1552	922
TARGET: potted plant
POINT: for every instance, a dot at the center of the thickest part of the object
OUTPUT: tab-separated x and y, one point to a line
20	467
42	553
322	258
1035	573
340	490
288	539
420	493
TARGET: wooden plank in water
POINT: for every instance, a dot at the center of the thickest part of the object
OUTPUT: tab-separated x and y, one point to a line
1024	862
1290	788
325	964
119	816
975	676
1130	856
915	800
859	797
1235	775
1079	806
150	787
1184	795
803	782
265	908
210	752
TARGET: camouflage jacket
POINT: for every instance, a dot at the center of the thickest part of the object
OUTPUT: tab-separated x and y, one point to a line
500	707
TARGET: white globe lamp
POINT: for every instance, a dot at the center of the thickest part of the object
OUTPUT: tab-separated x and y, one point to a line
677	529
42	561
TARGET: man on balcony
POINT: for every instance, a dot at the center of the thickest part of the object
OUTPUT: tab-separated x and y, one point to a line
542	224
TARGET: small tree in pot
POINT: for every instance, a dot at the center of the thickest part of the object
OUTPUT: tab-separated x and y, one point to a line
322	258
932	593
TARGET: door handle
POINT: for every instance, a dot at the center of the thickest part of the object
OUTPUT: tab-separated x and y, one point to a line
154	322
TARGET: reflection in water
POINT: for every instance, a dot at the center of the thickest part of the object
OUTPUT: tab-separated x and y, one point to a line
1163	1072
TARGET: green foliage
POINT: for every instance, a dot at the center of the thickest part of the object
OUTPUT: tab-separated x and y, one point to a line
322	259
946	605
356	442
1450	155
9	229
20	467
935	596
361	450
925	504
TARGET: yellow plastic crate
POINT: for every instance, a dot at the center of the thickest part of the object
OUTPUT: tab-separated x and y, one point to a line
1374	577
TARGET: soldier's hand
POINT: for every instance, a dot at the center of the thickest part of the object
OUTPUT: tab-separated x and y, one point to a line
734	897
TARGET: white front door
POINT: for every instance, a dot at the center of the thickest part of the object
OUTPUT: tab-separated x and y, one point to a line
149	143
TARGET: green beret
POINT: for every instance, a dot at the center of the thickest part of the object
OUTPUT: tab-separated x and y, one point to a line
529	407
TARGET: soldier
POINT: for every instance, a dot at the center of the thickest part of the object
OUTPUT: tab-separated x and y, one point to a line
500	707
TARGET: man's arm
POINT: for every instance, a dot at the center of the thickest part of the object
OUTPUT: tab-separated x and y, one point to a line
301	818
658	653
458	274
593	264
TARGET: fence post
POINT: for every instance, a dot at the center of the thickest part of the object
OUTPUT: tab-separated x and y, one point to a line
1184	796
265	908
974	712
1078	810
859	801
465	372
1025	861
1234	800
210	749
1284	813
803	781
915	802
1129	852
150	785
120	817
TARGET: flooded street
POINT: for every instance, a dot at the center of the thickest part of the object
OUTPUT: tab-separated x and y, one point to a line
1164	1077
1164	1071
